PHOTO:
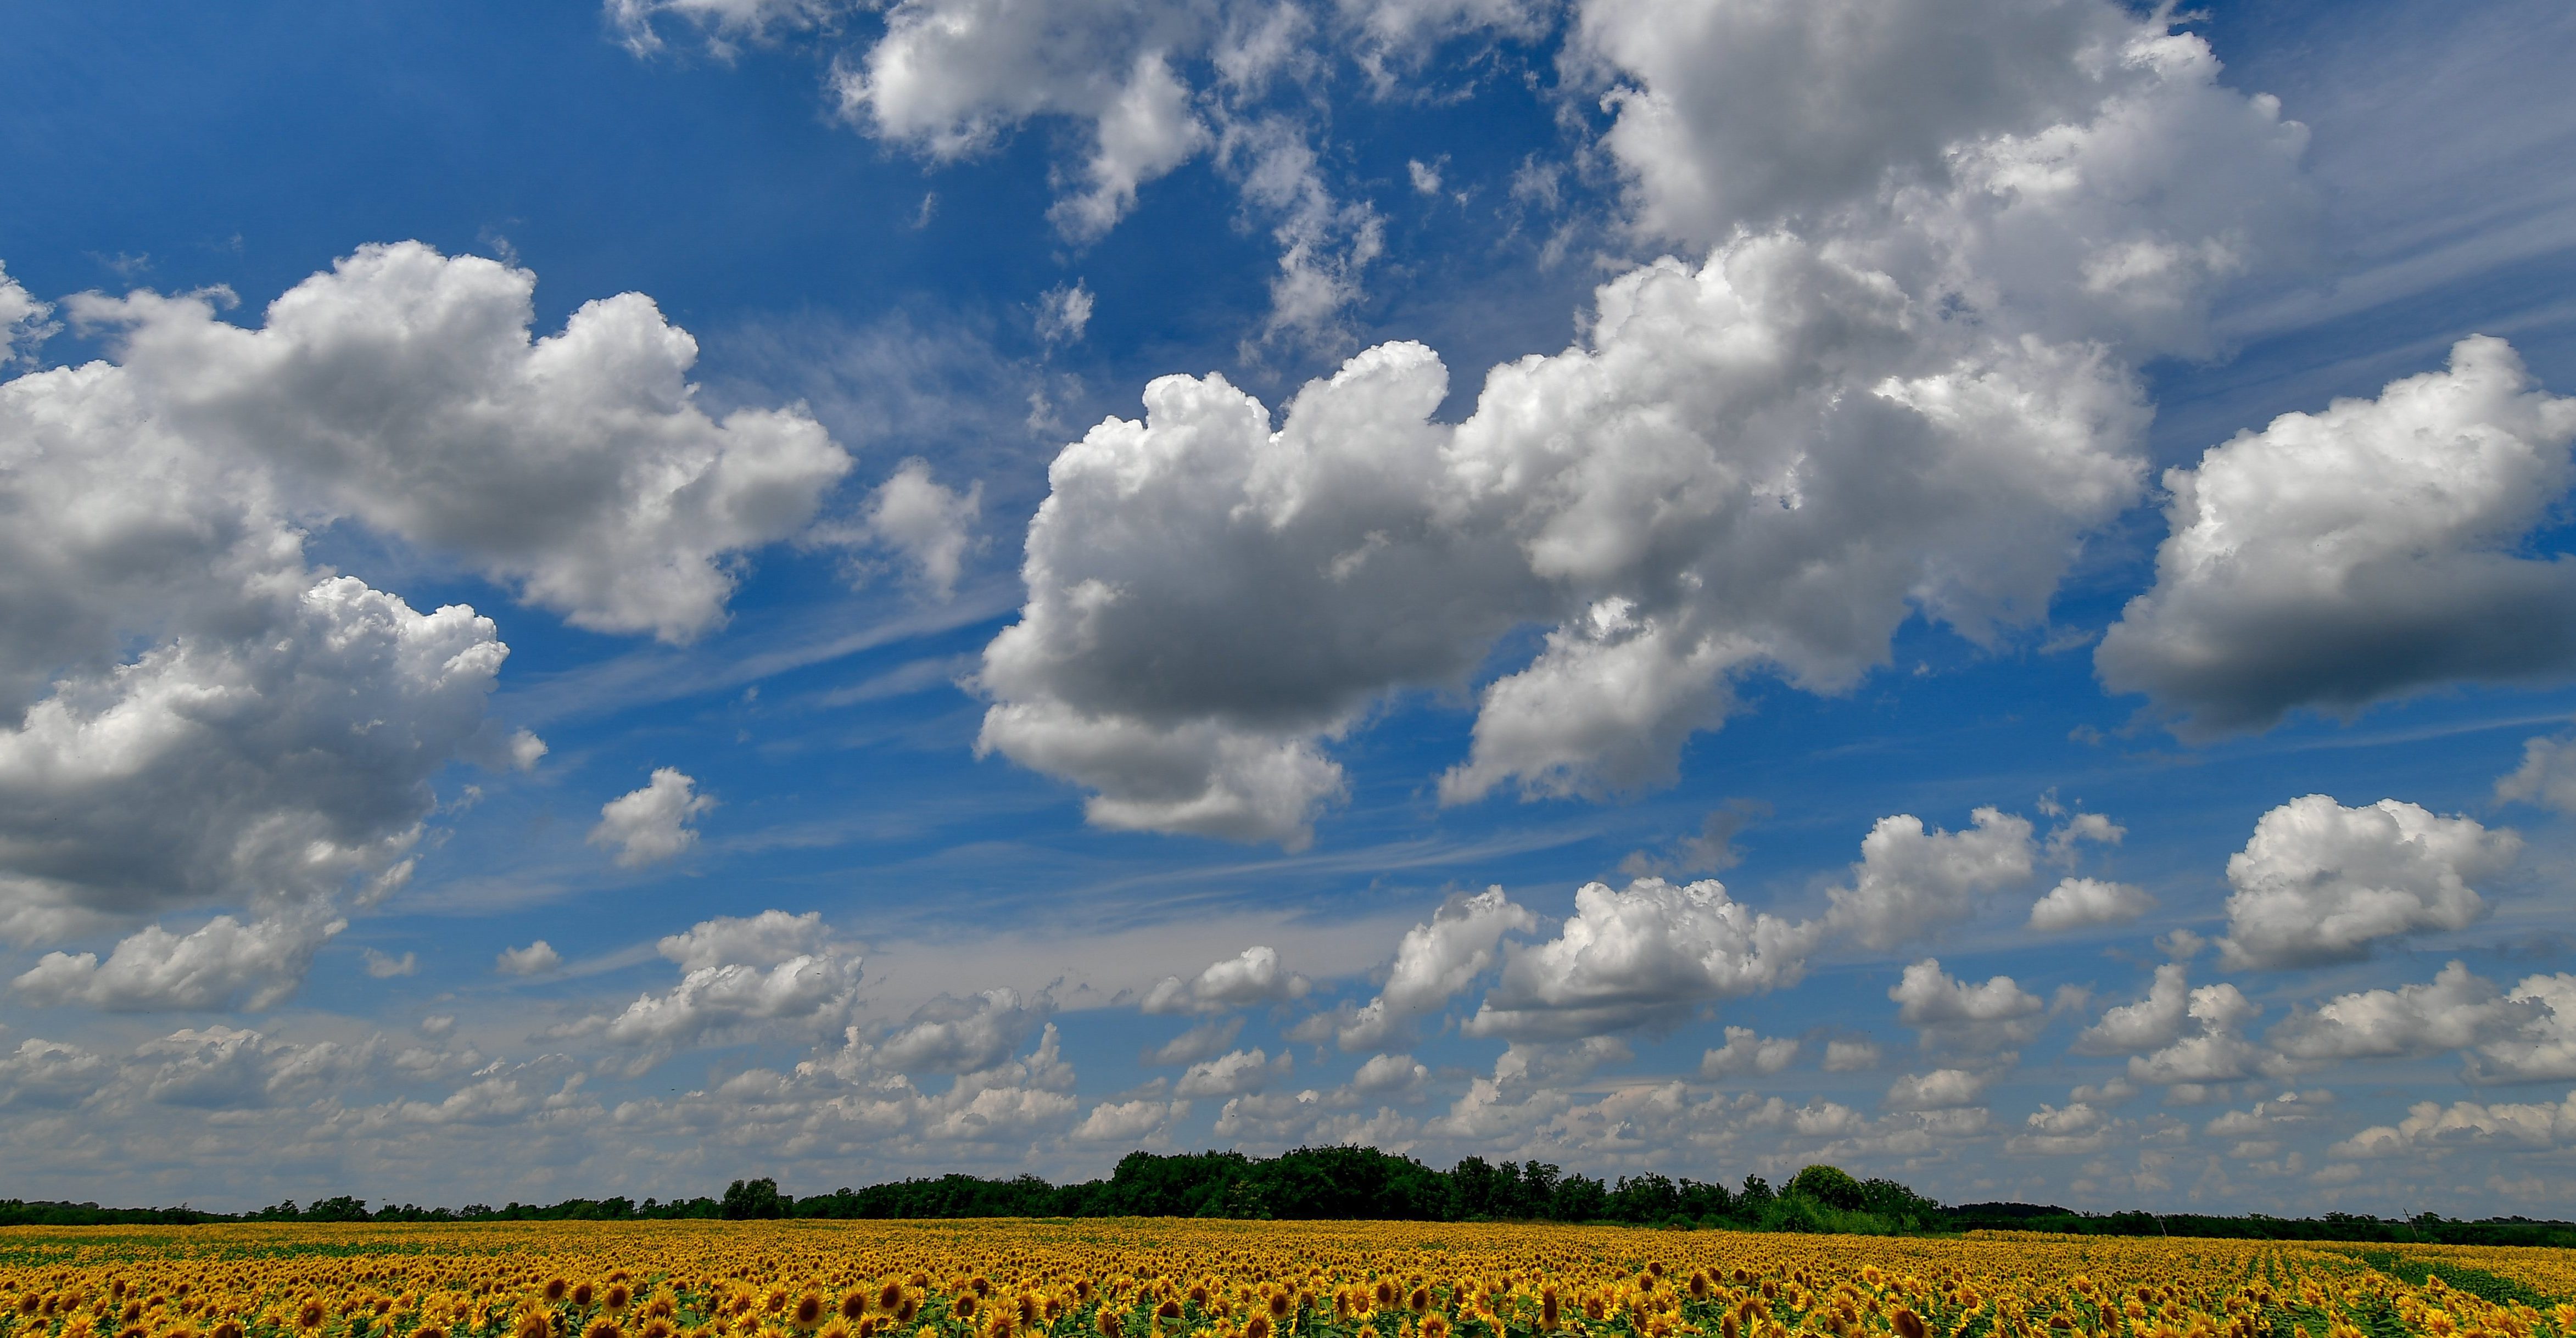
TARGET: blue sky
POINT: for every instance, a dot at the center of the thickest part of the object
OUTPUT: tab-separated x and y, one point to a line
597	600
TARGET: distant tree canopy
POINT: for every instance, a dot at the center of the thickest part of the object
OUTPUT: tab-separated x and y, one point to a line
1364	1183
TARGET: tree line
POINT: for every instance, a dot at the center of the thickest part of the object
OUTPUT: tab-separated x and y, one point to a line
1352	1183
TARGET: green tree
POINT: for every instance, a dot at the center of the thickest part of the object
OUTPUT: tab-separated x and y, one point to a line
1829	1185
746	1199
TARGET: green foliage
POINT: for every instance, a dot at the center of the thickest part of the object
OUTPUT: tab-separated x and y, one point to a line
2476	1282
1828	1185
1361	1183
745	1200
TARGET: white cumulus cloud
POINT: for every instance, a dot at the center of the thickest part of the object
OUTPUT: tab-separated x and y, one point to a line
1643	957
1435	961
951	1035
2430	1125
225	964
404	388
1941	1089
535	959
2319	882
650	825
1254	976
1234	1073
1748	1054
1954	1014
2078	902
1911	882
2339	558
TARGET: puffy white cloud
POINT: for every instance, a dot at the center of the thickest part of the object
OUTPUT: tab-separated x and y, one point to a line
2529	1033
2339	558
2066	839
1064	311
1385	1075
2319	882
2149	1024
2076	903
1199	1042
1253	977
951	1035
718	1000
949	77
1917	400
222	965
220	1068
282	769
1910	882
2547	776
766	939
50	1074
1941	1089
844	1104
1955	1014
404	388
2429	1125
197	718
2454	1012
1197	777
1684	496
1851	1056
214	1068
23	319
2179	1034
2058	1131
2545	1046
1748	1054
1231	1074
1129	1123
386	966
1646	956
1878	90
2259	1132
928	525
1436	960
650	825
775	971
2213	1050
535	959
2076	164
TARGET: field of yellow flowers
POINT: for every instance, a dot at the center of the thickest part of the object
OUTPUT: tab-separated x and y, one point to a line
1188	1279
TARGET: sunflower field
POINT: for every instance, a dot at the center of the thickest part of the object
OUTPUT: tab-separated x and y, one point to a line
1168	1278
